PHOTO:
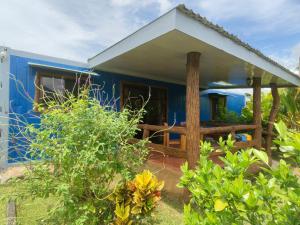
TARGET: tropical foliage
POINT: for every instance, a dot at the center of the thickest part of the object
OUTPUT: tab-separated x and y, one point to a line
231	195
289	142
290	107
135	200
289	110
83	149
229	117
266	105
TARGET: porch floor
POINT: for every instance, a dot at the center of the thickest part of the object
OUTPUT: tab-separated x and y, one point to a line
174	163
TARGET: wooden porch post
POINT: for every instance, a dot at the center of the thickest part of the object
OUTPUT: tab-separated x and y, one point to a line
192	108
272	117
257	111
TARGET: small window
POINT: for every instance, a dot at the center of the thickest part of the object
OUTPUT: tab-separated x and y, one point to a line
218	105
56	87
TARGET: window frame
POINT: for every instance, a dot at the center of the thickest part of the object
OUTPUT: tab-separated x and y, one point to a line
38	83
215	99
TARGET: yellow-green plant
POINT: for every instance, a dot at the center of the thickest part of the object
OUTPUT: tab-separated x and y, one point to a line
290	107
289	142
231	195
135	200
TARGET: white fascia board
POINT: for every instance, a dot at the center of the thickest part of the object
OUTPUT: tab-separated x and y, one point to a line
158	27
48	58
45	66
194	28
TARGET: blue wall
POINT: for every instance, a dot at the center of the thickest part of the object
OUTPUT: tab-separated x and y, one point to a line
21	104
21	90
176	93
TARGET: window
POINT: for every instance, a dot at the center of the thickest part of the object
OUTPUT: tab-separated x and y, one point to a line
218	105
56	87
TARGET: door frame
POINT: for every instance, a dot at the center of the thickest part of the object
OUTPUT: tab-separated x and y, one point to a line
139	84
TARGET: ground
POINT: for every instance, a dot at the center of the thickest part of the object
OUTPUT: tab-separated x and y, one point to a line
169	211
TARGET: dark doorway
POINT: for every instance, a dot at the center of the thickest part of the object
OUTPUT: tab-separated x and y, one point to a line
135	95
218	105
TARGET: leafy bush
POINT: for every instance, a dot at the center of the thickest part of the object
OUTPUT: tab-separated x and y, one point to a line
289	142
229	116
135	200
83	148
231	195
266	105
290	107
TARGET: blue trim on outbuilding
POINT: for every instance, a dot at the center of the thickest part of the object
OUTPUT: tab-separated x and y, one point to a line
235	102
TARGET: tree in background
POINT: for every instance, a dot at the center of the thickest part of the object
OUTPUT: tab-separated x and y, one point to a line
289	110
290	107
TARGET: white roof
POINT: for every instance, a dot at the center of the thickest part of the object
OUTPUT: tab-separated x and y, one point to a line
158	51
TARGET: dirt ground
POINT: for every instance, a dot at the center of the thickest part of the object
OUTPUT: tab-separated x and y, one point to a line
164	167
14	171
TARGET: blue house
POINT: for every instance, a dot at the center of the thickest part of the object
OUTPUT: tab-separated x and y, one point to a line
175	57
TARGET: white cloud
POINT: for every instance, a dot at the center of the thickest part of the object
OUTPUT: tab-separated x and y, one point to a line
289	58
71	29
36	26
163	5
265	15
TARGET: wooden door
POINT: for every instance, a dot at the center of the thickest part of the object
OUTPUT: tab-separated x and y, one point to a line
134	96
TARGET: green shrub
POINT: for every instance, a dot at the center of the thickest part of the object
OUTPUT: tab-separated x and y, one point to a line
84	150
229	117
231	195
289	110
266	105
289	142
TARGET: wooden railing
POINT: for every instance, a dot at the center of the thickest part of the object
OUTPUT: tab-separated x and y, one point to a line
180	149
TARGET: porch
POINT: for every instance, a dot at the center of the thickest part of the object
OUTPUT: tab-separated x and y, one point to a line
183	48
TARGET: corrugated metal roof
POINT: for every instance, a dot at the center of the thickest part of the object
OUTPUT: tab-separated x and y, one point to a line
182	8
45	66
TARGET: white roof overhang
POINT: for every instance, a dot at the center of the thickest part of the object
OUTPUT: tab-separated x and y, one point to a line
158	51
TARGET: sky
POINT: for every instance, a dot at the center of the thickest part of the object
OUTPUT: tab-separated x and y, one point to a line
78	30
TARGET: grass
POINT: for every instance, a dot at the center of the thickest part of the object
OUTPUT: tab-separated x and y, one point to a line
169	211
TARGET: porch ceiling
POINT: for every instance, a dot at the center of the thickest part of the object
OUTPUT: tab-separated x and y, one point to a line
158	51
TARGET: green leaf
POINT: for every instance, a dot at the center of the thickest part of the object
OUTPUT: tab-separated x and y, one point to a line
220	205
261	155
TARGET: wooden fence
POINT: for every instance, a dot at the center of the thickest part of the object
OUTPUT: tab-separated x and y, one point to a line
178	148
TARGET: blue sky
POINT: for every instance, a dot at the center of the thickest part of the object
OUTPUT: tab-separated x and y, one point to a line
80	29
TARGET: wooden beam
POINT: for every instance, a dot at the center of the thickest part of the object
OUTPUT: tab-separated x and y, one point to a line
146	133
257	111
170	151
192	108
168	129
272	117
225	129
